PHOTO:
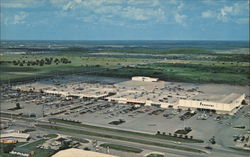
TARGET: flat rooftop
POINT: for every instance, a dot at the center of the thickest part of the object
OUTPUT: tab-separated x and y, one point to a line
227	99
142	84
80	153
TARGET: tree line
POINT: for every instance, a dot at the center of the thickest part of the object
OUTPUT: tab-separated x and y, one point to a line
41	62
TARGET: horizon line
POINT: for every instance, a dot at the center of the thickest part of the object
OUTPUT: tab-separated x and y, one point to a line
120	40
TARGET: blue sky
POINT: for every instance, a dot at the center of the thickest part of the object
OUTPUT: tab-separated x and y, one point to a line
125	19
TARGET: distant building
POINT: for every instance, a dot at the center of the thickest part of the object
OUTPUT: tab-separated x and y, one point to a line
14	136
224	104
145	79
80	153
22	152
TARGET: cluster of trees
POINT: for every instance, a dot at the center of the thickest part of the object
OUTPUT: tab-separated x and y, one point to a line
41	62
6	148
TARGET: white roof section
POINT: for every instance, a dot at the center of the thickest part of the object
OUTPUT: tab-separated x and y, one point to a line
149	86
73	152
227	99
15	135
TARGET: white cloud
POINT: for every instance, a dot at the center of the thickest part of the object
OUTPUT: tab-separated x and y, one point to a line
142	13
105	10
224	11
181	6
152	3
72	4
21	3
207	14
224	14
242	20
234	13
109	9
180	19
15	19
19	18
135	13
173	1
239	8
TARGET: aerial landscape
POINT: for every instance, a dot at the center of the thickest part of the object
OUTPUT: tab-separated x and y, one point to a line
124	78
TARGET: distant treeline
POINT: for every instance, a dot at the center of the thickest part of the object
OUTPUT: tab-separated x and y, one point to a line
41	62
161	51
28	49
233	57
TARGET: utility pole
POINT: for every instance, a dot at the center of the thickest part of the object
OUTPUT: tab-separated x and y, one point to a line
108	150
43	110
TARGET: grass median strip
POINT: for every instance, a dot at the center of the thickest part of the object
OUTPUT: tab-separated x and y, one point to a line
63	129
121	148
165	137
240	149
155	155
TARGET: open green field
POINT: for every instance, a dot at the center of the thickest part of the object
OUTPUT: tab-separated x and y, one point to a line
161	51
120	138
121	148
188	71
165	137
240	149
155	155
181	64
29	67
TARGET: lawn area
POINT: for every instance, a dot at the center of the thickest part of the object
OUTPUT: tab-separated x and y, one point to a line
155	155
184	132
79	139
197	65
165	137
28	67
188	71
121	148
161	51
122	138
240	149
51	135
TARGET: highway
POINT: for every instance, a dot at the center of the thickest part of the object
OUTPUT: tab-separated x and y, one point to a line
217	150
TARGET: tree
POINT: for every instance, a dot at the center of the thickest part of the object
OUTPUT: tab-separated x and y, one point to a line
65	145
7	147
18	106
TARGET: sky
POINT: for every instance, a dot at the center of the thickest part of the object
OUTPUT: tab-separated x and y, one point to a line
124	20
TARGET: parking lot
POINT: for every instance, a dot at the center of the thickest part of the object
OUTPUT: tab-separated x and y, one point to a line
126	116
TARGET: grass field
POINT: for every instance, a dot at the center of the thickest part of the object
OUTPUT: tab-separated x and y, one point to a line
79	140
79	64
240	149
165	137
119	138
188	71
121	148
161	51
155	155
196	65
